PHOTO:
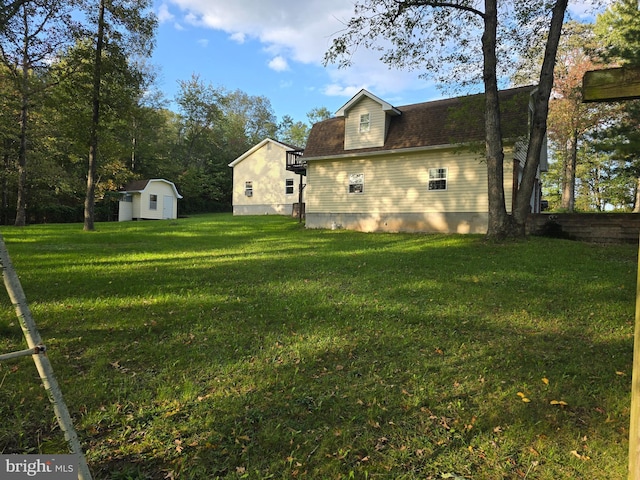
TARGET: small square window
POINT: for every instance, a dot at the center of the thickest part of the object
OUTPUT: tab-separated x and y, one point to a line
248	189
153	202
289	186
356	183
365	123
437	179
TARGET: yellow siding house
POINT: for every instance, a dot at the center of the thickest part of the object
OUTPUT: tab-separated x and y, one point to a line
261	183
419	168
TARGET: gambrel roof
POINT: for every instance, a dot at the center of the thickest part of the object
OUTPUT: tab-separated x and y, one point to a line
139	186
454	121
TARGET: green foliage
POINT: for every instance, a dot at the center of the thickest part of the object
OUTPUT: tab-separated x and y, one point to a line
248	347
618	29
418	35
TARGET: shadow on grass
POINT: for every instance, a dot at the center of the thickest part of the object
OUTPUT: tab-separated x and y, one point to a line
326	353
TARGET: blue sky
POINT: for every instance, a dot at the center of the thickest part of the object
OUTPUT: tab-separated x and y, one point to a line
274	48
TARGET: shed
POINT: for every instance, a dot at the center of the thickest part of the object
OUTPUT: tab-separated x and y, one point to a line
153	199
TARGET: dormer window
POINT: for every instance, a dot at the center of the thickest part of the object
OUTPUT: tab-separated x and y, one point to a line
365	123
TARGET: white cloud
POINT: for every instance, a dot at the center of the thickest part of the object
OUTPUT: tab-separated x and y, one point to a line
335	90
303	29
164	15
279	64
203	42
238	37
294	31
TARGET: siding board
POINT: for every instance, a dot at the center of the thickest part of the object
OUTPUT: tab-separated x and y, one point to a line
396	194
266	169
375	137
398	183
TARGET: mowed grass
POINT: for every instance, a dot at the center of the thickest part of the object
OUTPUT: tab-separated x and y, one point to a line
250	347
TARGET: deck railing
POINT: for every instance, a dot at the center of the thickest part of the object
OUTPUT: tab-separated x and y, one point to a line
296	162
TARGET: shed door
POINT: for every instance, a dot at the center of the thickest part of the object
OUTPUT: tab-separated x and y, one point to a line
167	207
125	210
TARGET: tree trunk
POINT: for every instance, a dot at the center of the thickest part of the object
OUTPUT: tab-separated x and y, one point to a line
21	204
5	184
636	203
89	202
569	174
498	220
538	130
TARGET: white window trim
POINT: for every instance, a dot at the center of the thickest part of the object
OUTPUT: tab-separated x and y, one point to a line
287	186
248	188
153	204
355	180
436	171
365	123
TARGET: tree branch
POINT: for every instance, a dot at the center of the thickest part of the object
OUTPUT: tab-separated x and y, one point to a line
406	4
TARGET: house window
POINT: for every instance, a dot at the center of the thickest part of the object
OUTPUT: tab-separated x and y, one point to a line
126	197
289	186
365	123
437	179
356	183
248	189
153	202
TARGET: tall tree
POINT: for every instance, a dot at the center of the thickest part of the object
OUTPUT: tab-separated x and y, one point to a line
9	138
429	34
295	133
618	32
292	132
7	10
618	29
69	105
125	22
33	35
570	119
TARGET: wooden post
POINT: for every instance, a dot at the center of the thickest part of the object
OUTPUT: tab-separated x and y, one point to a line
634	424
610	85
31	334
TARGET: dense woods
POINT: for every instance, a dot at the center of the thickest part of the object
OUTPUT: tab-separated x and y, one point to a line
48	123
52	115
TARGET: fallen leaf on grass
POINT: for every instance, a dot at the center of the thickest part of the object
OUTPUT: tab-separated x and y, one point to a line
559	402
622	374
581	457
545	380
523	397
382	442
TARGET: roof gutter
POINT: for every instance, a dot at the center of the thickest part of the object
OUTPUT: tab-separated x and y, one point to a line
378	153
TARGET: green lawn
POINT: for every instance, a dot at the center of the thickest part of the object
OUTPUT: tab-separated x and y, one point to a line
249	347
